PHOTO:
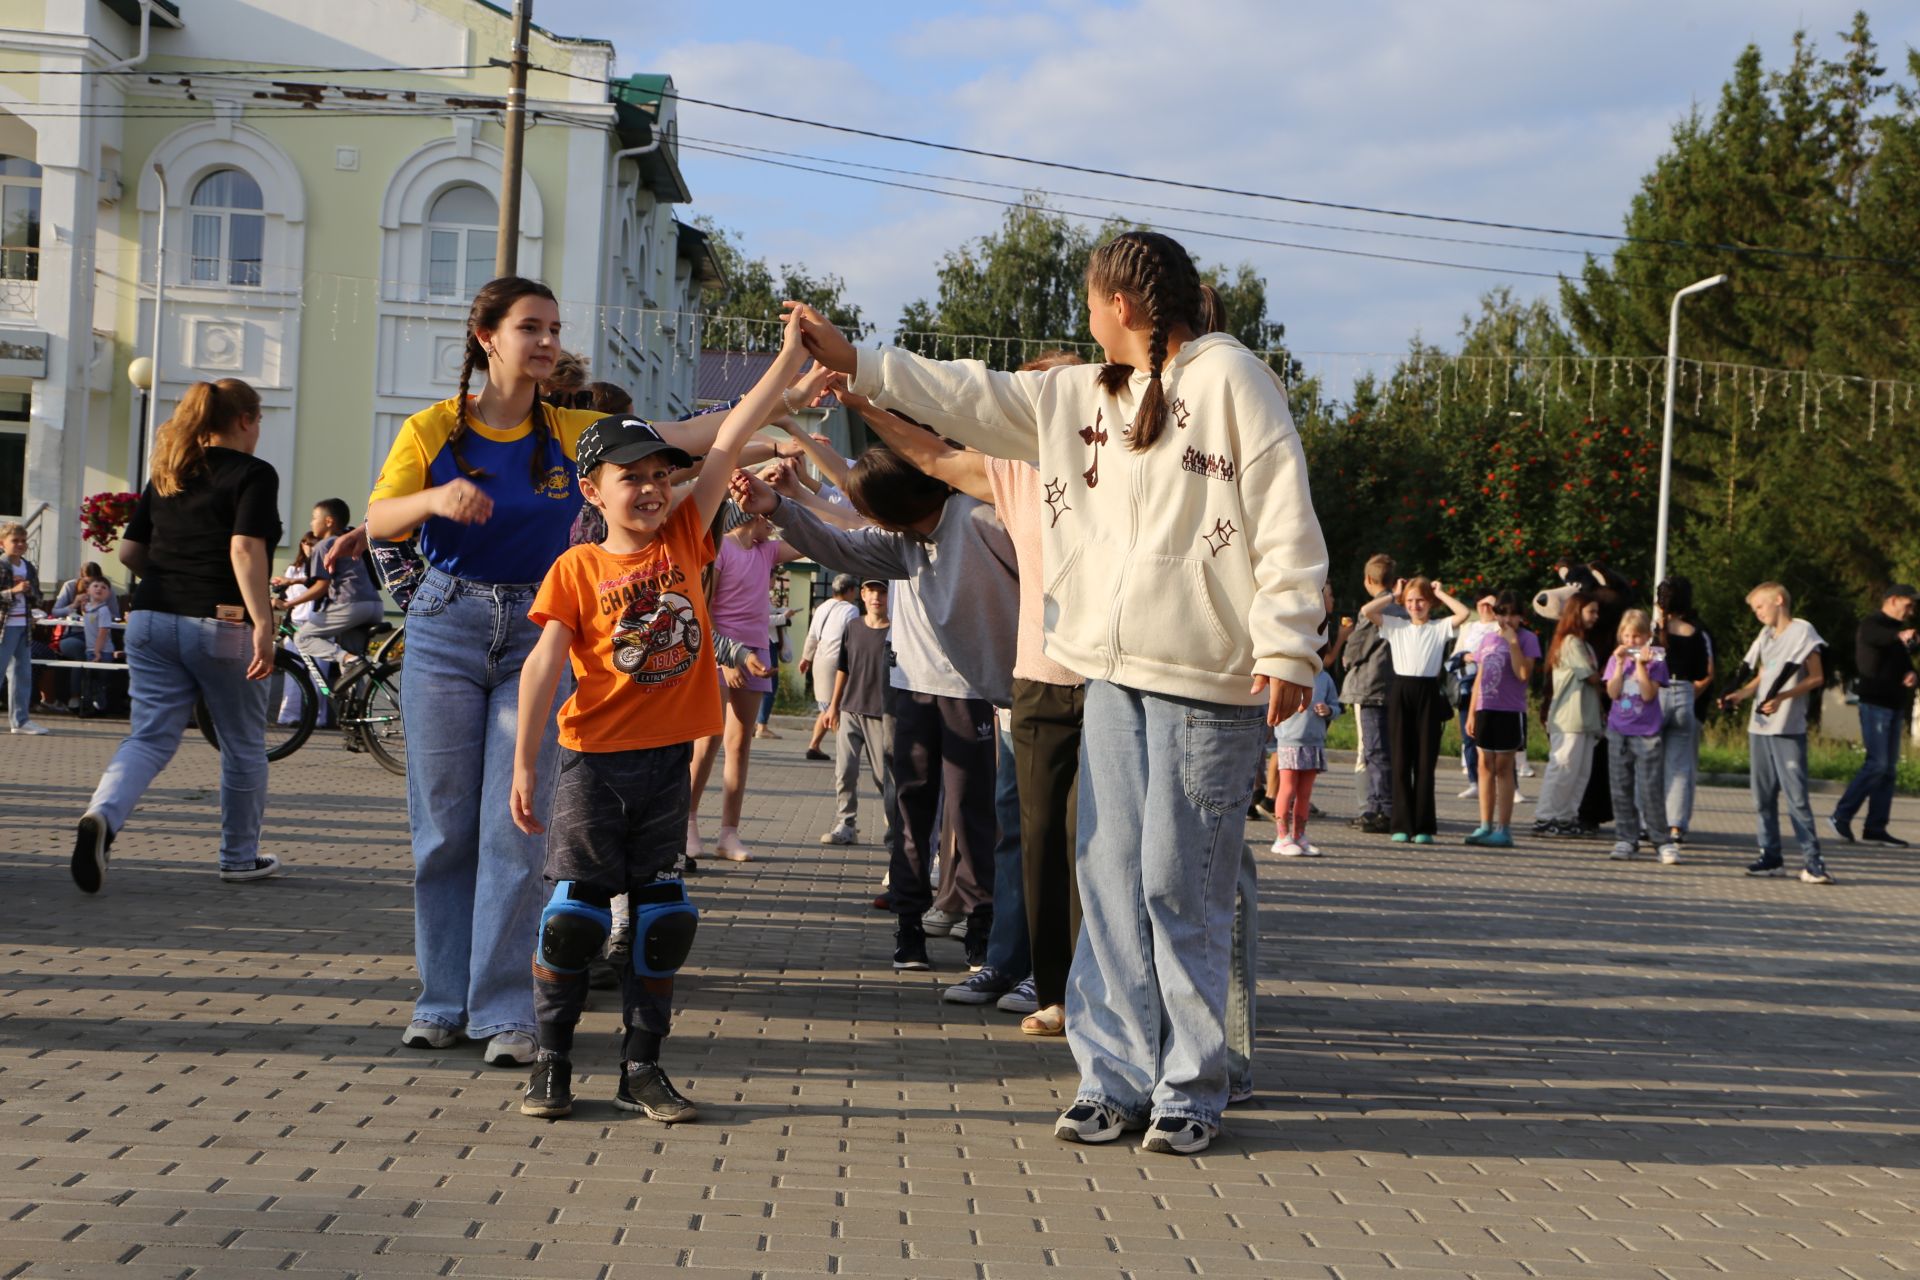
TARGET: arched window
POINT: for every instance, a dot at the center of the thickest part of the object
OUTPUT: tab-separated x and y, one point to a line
229	229
19	219
462	227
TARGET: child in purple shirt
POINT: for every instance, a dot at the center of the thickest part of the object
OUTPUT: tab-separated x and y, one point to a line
1503	658
1636	760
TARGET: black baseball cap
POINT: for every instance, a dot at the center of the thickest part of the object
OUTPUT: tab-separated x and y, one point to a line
623	439
1900	591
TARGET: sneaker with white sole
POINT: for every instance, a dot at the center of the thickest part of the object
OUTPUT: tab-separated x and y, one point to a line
1090	1122
92	838
1237	1093
549	1094
1816	872
510	1049
940	924
1470	791
421	1034
1526	770
1309	850
842	834
728	846
1287	848
262	869
1177	1136
982	987
645	1088
1622	852
1669	855
1023	999
31	728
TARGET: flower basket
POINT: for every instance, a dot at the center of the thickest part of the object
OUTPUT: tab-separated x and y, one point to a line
104	515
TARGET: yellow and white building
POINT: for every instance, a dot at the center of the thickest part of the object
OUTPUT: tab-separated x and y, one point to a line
316	189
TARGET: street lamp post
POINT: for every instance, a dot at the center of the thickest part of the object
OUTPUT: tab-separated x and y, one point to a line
140	374
1666	429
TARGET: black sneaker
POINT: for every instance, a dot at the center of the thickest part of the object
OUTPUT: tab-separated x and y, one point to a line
644	1087
979	929
92	839
1886	838
1842	829
550	1089
1378	825
815	753
1090	1122
689	865
910	946
1767	867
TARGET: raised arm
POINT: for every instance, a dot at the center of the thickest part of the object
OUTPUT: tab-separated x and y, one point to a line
865	553
964	469
1460	611
745	418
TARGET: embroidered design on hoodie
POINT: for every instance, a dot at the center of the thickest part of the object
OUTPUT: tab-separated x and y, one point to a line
1214	466
1056	501
1222	536
1095	437
1180	413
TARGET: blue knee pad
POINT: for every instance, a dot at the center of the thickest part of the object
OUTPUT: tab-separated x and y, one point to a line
663	926
572	931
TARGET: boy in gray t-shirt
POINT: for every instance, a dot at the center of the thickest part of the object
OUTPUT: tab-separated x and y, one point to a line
1785	656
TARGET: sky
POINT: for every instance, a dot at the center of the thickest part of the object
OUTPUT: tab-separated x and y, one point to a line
1507	110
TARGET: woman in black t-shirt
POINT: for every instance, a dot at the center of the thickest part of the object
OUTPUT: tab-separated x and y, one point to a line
1690	674
201	626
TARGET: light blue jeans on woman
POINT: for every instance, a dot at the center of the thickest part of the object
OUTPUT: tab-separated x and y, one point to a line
1164	785
477	886
1680	736
172	662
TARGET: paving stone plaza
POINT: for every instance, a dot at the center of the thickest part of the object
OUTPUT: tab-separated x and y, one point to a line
1482	1063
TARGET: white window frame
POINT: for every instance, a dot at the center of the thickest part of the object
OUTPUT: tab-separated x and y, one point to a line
31	254
223	216
464	234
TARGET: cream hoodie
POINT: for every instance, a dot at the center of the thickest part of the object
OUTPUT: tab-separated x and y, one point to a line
1184	570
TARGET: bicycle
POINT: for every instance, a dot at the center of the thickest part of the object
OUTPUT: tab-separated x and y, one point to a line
365	699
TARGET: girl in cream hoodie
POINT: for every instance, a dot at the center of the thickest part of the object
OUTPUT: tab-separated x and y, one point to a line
1184	567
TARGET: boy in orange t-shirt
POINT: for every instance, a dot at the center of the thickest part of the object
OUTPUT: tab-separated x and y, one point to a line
630	615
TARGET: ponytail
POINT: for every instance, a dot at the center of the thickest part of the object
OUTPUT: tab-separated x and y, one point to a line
1158	277
207	411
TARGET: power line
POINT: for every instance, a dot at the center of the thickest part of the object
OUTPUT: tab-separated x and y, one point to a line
1244	193
141	73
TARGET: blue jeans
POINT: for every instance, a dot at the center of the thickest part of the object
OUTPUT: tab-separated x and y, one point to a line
1680	731
477	886
1164	784
1243	975
1779	764
16	659
1376	743
172	661
1873	785
1008	944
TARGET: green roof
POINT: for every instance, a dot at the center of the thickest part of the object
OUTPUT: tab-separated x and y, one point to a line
636	101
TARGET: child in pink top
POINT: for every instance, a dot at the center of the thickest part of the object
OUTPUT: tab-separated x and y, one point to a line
742	574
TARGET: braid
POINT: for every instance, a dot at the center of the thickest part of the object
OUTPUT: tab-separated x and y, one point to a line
472	360
1159	277
1152	413
542	434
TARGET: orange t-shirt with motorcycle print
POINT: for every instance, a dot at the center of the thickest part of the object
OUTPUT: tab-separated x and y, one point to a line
642	647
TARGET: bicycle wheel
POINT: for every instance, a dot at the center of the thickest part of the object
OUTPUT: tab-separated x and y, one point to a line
381	729
292	707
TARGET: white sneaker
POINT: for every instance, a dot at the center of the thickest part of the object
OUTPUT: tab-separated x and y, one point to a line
1526	769
729	847
428	1035
1669	855
1472	791
1621	852
1287	848
1309	850
510	1049
1518	798
842	834
31	727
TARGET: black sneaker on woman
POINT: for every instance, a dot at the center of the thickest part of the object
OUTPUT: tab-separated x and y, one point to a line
550	1089
644	1087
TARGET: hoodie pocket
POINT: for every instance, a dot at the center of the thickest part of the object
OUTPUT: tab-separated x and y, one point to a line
1079	599
1170	614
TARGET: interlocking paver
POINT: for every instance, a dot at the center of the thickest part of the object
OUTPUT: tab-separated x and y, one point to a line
1472	1064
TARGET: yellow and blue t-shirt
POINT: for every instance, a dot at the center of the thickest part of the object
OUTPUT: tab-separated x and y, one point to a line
528	529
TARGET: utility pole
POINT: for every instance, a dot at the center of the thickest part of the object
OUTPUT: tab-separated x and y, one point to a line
506	254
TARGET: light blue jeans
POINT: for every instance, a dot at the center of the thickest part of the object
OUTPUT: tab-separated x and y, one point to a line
477	886
1243	975
172	661
1777	762
16	659
1164	785
1680	732
1008	947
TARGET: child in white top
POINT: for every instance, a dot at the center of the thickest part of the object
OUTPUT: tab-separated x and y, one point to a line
1416	709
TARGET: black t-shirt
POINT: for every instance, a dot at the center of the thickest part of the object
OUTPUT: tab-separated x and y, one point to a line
866	658
187	534
1883	662
1689	656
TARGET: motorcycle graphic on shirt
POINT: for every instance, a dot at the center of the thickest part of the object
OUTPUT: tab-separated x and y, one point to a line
657	638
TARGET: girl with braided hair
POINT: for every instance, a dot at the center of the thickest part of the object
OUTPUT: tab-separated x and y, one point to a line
1184	571
489	484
